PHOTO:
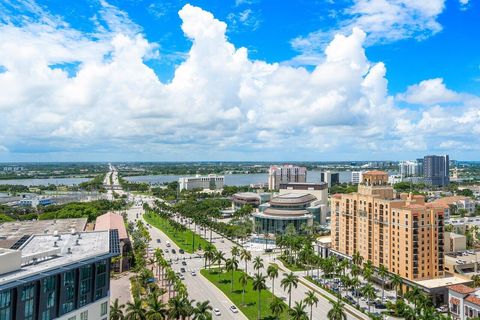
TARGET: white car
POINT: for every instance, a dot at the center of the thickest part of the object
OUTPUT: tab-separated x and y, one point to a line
234	309
194	273
217	312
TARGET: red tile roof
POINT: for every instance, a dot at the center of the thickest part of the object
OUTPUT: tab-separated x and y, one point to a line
473	299
461	288
112	220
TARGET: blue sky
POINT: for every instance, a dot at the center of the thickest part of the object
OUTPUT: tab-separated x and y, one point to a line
317	80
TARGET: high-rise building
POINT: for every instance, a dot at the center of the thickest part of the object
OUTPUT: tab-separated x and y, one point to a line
285	174
436	170
330	178
210	182
61	276
403	233
356	177
411	168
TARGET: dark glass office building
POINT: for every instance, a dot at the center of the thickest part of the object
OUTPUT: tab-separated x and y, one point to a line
436	170
66	282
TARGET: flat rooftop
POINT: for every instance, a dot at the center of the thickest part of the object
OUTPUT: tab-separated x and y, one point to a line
10	232
40	255
442	282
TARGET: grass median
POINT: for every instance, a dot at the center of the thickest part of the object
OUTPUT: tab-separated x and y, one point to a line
250	309
183	239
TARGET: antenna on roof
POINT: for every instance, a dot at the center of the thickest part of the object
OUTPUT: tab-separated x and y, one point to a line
69	251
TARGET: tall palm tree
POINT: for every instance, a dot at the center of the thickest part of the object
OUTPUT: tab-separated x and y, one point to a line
369	292
116	310
336	313
231	265
259	285
243	282
209	253
311	299
156	309
277	307
257	264
298	311
414	295
202	311
383	273
354	283
368	270
179	307
357	258
290	280
235	251
476	281
219	257
397	283
272	272
246	256
135	310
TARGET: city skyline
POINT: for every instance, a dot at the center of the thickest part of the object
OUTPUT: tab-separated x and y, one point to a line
241	80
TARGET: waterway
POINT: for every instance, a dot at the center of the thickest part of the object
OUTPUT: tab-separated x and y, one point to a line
46	182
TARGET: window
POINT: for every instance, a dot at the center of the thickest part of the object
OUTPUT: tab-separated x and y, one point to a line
5	305
84	315
103	309
46	315
28	293
73	318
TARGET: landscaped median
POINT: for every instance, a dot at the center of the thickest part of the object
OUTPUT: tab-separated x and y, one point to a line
183	238
250	308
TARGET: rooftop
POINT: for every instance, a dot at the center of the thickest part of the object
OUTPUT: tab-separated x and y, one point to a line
10	232
442	282
44	253
112	220
292	199
461	288
449	200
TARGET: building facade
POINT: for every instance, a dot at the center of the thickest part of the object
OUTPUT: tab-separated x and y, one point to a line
283	210
65	276
436	170
210	182
463	302
411	168
356	177
284	174
404	233
330	178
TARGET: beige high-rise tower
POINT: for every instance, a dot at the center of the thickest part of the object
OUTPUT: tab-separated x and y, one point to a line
403	233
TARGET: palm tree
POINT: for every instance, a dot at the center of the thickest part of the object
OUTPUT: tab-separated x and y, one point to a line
357	258
298	311
354	283
290	280
116	311
369	292
156	308
259	285
219	257
272	272
209	253
397	283
311	299
135	310
243	281
231	265
235	251
368	270
476	281
202	311
179	307
258	264
383	272
246	256
414	295
336	313
277	307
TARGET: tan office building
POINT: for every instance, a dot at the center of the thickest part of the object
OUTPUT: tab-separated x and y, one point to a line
403	233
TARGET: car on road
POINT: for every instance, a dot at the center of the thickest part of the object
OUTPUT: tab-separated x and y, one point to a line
166	251
181	251
194	273
217	312
168	244
182	270
159	241
184	263
174	251
234	309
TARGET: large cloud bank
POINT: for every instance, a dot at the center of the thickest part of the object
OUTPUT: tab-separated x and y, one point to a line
64	91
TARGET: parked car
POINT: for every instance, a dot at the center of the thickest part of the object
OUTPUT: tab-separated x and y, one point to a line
174	251
184	263
217	312
234	309
159	241
182	270
181	251
194	273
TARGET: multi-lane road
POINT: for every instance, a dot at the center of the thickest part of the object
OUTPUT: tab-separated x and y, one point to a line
200	289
